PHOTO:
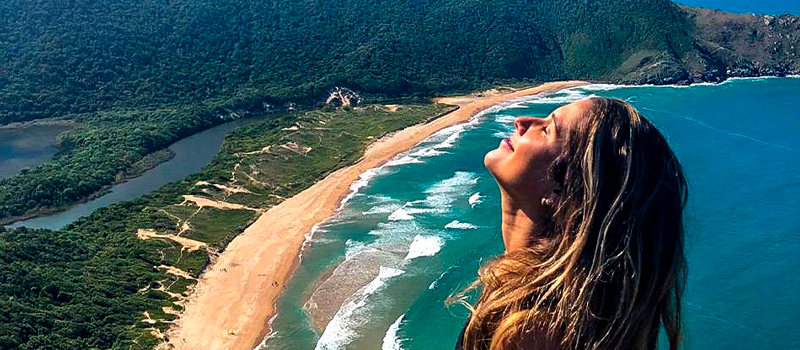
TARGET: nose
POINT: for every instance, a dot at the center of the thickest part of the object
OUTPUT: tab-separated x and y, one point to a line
521	124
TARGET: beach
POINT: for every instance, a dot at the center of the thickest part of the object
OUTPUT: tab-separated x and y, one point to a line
234	299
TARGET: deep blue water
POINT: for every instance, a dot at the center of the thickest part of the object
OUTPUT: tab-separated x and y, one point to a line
769	7
418	228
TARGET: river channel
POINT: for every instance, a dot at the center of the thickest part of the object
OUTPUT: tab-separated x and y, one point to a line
191	155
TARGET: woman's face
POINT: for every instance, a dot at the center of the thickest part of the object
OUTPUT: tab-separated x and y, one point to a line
520	164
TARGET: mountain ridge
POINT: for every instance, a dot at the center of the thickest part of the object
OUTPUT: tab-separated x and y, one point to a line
66	58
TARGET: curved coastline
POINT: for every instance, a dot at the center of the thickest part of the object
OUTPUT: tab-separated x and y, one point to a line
235	298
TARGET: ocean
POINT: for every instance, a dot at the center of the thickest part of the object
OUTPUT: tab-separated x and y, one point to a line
767	7
414	231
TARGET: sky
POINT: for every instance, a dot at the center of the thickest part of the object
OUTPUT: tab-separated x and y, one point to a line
772	7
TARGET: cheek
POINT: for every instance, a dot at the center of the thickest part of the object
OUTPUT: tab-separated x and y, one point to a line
523	172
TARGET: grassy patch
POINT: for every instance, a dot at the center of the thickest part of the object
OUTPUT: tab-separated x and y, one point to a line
215	226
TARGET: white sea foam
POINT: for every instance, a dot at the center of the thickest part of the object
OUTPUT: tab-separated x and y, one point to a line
415	155
362	181
407	213
439	197
307	238
449	141
607	87
436	281
504	119
427	152
433	284
341	330
424	246
379	199
457	225
475	199
502	134
382	209
400	214
391	340
560	97
263	344
443	193
352	248
404	160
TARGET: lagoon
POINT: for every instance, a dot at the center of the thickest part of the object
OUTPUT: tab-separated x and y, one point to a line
190	155
27	145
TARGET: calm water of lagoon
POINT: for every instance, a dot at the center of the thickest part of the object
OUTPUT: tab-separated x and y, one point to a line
27	146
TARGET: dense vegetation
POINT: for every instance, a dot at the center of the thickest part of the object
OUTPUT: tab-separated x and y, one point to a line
88	286
140	75
62	57
171	66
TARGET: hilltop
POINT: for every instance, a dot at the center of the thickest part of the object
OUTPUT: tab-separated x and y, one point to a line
60	58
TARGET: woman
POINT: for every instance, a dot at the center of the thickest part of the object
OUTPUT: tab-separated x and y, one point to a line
592	203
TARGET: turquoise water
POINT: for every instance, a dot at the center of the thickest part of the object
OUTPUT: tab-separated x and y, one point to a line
771	7
416	230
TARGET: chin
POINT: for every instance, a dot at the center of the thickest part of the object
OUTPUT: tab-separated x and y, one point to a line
491	161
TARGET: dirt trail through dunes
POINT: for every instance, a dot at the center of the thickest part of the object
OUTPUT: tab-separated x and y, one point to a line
231	189
206	202
235	297
175	271
188	244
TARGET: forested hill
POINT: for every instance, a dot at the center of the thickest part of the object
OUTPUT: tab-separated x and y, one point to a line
59	57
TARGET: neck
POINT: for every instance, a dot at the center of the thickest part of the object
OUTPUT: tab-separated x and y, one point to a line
519	226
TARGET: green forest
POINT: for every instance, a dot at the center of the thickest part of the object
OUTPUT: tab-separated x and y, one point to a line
65	57
141	75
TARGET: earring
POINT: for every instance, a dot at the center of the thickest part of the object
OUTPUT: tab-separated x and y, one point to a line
547	202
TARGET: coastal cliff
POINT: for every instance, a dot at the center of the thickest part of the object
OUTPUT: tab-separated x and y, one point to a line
724	45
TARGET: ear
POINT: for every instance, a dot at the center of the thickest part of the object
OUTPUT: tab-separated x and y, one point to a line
551	199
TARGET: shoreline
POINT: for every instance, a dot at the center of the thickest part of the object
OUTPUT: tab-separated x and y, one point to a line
12	220
234	301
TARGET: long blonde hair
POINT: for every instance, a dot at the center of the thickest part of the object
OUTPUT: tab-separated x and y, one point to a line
610	269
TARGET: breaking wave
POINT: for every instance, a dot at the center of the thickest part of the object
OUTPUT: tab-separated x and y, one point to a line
424	246
455	224
475	199
342	328
391	341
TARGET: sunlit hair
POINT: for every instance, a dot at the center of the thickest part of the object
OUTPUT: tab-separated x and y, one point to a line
609	271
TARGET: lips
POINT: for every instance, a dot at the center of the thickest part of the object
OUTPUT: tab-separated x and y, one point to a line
508	144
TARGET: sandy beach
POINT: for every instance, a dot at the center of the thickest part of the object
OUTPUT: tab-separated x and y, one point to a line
235	298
